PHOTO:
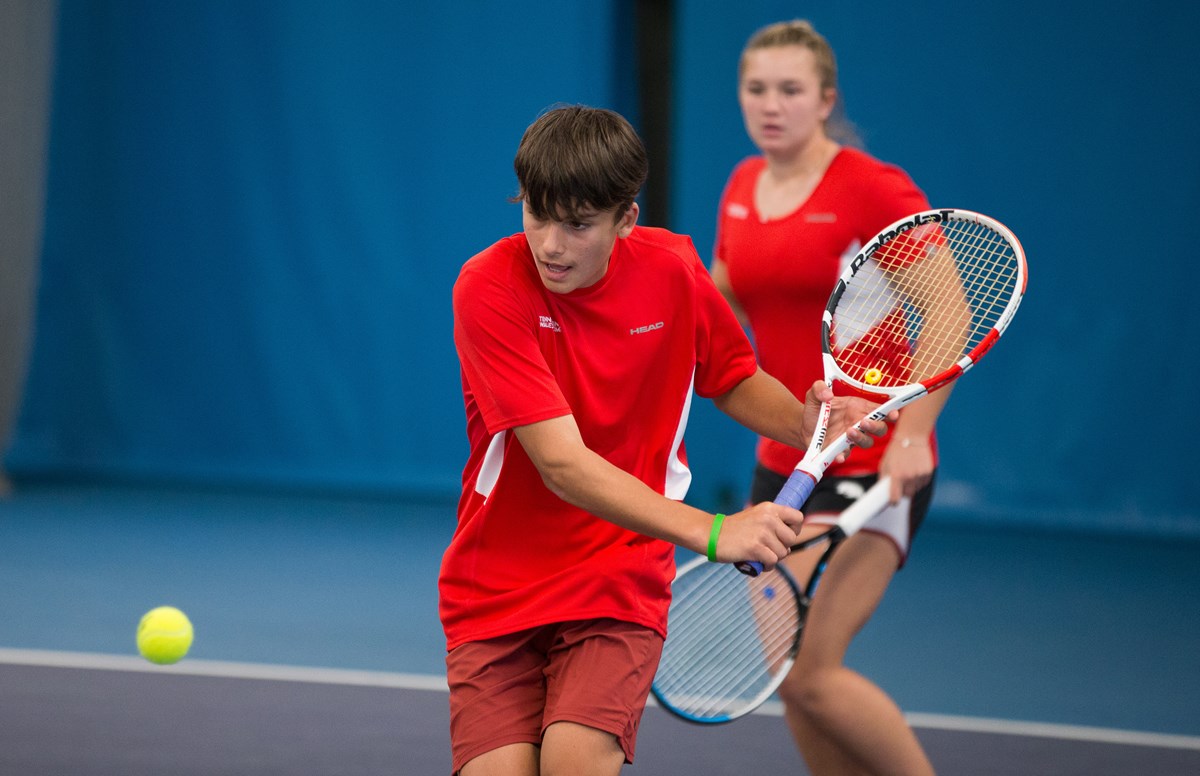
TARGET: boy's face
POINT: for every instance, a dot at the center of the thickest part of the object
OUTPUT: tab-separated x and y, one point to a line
574	254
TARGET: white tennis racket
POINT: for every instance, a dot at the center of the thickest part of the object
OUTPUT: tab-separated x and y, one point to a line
732	638
918	306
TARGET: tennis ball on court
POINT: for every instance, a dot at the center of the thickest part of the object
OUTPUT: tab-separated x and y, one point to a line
873	376
164	635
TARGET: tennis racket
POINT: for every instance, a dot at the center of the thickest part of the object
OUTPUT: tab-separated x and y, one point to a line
732	638
915	309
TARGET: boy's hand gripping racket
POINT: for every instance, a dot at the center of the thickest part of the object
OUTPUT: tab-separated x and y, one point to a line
918	306
733	638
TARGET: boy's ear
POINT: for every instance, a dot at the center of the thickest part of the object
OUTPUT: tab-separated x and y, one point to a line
628	221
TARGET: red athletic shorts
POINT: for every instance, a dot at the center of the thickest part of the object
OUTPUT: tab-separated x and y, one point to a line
509	689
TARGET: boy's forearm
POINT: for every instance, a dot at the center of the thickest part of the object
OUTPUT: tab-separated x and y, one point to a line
765	406
586	480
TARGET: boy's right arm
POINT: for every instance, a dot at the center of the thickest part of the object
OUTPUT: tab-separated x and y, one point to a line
586	480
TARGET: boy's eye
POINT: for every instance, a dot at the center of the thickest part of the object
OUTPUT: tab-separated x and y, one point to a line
578	226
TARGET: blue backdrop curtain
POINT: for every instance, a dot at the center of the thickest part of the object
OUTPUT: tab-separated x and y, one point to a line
256	211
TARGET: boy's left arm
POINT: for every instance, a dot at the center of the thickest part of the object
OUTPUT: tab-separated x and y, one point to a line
762	404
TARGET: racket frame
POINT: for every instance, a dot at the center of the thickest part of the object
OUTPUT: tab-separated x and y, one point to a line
818	457
849	522
801	603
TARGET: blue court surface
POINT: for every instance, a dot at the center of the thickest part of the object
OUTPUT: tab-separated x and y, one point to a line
318	649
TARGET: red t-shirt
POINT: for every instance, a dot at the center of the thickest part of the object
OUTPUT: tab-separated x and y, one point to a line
783	270
623	356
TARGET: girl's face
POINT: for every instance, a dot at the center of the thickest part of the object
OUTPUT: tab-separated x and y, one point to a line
783	104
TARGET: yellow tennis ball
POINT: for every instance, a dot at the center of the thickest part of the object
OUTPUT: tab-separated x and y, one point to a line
873	376
164	635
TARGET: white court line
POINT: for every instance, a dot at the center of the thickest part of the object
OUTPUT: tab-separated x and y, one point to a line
263	671
1009	727
220	668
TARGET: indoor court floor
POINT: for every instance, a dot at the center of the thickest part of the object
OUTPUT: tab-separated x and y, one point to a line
318	649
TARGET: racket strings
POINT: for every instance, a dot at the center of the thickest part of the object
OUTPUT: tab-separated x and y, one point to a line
990	268
718	687
922	302
730	635
723	598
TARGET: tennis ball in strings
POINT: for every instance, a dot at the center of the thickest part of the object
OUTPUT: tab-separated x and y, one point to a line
164	635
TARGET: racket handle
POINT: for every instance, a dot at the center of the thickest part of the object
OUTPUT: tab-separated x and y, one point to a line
797	489
793	494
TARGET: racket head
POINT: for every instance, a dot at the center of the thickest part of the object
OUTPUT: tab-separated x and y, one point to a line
731	640
922	302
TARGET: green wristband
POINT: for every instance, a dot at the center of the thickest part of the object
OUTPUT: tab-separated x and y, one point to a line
712	536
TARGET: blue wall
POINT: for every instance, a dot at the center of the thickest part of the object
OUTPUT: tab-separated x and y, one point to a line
256	212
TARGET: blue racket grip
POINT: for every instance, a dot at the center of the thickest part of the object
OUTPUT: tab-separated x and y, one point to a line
793	494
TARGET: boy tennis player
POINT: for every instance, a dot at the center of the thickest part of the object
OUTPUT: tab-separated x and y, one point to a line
582	340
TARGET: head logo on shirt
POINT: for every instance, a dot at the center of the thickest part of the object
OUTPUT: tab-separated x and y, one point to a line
647	328
737	210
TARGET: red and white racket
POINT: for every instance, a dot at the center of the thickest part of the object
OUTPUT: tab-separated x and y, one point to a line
919	305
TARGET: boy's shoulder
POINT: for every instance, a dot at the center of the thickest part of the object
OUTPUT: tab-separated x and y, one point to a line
656	240
508	248
504	263
507	251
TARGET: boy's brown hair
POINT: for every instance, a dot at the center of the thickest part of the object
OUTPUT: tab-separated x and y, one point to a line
575	158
